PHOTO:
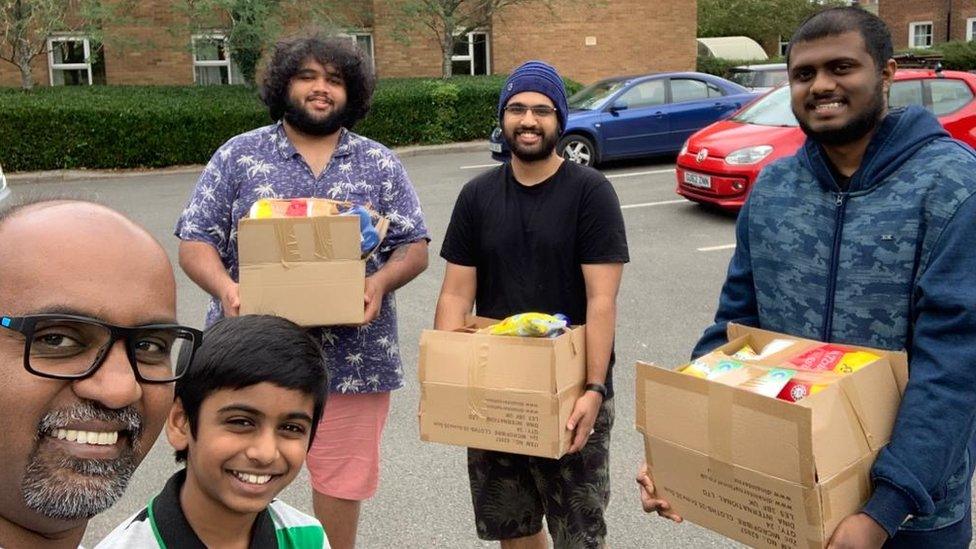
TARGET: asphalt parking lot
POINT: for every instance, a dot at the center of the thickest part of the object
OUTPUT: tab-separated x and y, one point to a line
679	253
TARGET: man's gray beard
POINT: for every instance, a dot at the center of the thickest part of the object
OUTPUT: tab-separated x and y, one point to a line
90	486
102	483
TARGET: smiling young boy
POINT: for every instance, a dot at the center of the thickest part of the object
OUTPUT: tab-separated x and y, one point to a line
243	420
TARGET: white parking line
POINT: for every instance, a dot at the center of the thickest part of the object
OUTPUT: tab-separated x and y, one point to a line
662	203
636	174
717	248
478	166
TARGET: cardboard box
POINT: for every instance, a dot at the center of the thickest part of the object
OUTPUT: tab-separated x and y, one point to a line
309	270
763	471
505	393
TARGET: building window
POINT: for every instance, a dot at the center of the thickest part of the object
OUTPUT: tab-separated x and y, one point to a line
471	54
72	61
920	34
970	29
212	63
364	41
783	45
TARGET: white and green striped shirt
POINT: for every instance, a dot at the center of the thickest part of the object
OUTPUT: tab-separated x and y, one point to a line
162	524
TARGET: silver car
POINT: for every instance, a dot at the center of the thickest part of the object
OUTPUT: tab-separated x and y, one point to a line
759	78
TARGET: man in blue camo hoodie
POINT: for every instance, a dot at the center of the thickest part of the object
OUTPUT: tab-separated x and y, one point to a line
865	237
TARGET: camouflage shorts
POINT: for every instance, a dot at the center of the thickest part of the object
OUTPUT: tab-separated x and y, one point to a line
511	493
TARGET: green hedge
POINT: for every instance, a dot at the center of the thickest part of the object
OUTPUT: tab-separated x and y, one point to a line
128	127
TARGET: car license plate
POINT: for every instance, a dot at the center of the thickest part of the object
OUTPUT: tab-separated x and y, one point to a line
495	147
698	180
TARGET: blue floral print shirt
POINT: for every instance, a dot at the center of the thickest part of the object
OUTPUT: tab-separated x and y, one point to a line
264	164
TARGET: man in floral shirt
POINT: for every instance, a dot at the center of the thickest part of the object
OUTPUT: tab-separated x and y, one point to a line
316	90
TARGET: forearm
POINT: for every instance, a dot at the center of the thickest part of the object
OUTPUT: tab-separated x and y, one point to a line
451	311
936	418
202	264
601	318
405	263
915	466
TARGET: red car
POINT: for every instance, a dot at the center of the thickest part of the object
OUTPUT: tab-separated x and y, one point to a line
719	163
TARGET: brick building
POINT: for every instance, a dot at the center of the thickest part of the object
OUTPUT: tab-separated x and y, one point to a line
924	23
585	42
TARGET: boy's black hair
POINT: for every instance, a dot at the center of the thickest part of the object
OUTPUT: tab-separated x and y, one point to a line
239	352
288	58
835	21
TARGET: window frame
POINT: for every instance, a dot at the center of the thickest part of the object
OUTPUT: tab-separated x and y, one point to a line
352	35
912	34
52	66
926	86
226	62
469	38
970	29
664	83
783	44
706	84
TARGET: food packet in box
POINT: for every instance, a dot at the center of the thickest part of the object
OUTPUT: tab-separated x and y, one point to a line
854	361
822	358
712	366
806	383
769	382
774	346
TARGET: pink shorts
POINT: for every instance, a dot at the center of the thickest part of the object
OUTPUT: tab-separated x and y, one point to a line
344	460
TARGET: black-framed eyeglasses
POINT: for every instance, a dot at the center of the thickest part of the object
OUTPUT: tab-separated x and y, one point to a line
538	111
61	346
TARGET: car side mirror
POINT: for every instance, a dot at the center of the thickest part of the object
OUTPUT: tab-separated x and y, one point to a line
619	105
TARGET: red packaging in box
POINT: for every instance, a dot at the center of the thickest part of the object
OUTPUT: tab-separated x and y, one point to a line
819	359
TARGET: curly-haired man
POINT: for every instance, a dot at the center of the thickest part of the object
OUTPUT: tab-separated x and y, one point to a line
316	90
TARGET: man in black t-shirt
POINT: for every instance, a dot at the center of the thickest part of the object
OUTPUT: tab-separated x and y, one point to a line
544	235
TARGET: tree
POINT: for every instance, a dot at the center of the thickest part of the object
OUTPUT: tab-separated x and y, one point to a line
449	20
252	25
25	26
761	20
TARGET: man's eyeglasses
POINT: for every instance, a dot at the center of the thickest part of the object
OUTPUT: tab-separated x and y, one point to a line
538	111
74	347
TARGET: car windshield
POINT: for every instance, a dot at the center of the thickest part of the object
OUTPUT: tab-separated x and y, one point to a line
771	110
594	96
759	79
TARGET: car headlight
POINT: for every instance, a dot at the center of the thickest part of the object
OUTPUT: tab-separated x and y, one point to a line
684	149
748	155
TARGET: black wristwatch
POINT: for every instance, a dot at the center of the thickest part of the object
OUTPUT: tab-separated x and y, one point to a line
597	388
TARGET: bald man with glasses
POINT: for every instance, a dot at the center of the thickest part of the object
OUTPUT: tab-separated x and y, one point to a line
89	350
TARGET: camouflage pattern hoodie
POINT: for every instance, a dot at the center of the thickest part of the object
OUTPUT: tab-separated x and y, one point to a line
886	263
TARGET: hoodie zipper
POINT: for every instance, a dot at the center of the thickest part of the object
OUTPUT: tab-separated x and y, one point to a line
828	325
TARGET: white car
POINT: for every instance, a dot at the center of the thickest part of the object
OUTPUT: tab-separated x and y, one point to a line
759	78
4	191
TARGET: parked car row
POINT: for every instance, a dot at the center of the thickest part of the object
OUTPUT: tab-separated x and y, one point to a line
719	164
634	116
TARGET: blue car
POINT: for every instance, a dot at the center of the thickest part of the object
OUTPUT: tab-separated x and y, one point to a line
632	116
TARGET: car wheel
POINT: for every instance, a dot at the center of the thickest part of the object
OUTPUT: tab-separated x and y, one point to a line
579	149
